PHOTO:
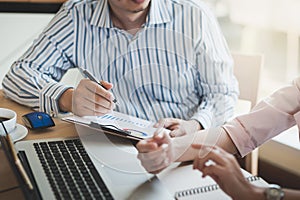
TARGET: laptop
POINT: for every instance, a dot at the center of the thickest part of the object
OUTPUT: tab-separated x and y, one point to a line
62	168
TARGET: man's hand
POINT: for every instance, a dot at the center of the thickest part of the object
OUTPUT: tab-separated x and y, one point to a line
179	127
156	153
89	98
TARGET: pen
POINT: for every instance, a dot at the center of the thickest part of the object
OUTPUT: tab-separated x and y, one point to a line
92	78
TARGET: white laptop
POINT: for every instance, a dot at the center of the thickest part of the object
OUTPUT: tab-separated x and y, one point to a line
62	169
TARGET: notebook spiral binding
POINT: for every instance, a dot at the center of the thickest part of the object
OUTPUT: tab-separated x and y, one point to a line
207	188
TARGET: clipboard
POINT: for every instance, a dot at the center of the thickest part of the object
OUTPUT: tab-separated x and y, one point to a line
116	123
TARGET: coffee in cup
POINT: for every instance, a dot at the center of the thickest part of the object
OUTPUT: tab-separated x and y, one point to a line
8	118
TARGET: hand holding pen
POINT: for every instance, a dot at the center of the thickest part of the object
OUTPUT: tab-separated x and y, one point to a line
92	97
88	75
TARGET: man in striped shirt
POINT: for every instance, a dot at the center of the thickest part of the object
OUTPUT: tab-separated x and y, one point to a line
161	59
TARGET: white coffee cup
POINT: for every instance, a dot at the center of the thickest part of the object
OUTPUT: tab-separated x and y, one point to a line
9	119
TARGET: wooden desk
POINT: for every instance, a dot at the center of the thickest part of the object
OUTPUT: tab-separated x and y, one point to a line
189	178
61	128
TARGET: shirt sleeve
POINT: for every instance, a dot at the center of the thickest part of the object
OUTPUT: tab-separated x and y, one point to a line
33	80
217	86
267	119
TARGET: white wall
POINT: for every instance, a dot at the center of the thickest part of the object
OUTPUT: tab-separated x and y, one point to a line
16	34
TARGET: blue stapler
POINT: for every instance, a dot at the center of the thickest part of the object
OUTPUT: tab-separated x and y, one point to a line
37	120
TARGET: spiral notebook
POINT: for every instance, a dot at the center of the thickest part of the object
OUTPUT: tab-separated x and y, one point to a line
213	191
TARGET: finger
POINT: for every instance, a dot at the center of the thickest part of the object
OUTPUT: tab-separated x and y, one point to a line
100	101
82	106
174	126
196	163
162	137
177	133
97	108
144	146
200	163
160	166
201	158
160	123
231	160
213	171
159	131
109	86
154	153
106	85
166	122
83	111
214	155
154	161
99	91
93	112
85	97
92	91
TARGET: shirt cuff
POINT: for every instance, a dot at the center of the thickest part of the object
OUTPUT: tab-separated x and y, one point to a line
239	137
204	117
49	97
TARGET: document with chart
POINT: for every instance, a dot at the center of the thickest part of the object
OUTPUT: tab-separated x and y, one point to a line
118	124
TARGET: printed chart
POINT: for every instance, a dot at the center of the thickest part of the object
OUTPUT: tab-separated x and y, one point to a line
137	127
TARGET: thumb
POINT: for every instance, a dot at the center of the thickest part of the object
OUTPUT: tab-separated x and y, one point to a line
176	133
106	84
162	137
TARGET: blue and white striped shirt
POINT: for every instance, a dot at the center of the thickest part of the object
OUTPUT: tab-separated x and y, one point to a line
177	65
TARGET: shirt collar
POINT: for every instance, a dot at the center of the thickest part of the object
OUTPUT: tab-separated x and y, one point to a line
160	12
101	16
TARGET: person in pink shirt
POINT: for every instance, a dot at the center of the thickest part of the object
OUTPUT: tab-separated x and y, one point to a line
268	118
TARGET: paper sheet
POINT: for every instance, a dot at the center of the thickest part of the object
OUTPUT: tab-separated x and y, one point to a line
137	127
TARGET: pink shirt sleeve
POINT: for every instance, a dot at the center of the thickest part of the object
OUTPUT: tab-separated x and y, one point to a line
266	120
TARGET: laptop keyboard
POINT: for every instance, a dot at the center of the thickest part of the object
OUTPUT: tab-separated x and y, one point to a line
70	171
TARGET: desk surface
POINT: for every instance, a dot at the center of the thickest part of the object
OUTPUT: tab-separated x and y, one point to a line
61	129
64	129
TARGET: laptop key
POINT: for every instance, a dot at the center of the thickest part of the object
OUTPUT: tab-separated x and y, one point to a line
70	171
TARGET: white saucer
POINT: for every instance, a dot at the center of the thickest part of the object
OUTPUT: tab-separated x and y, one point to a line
18	133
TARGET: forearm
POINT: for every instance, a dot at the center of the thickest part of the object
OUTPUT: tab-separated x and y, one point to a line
218	136
183	149
18	86
31	88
